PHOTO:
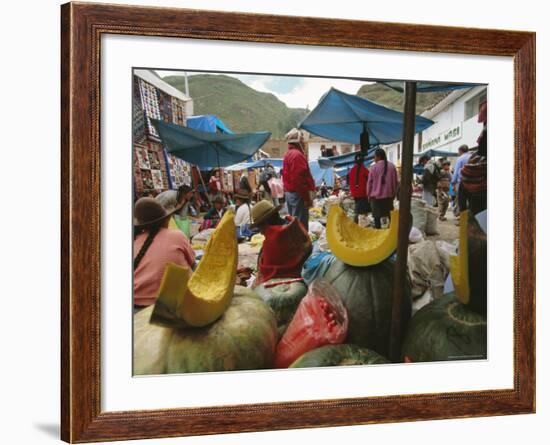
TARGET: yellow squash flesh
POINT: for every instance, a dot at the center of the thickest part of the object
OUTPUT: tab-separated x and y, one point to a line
199	298
210	288
459	263
360	246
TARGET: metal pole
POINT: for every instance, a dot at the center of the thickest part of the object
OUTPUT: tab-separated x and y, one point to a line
400	271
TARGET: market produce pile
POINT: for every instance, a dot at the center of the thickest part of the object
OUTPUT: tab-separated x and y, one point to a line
339	313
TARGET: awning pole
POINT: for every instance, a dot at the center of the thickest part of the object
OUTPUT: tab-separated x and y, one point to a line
204	185
405	191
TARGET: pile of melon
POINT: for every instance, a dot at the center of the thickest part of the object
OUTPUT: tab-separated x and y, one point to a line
202	322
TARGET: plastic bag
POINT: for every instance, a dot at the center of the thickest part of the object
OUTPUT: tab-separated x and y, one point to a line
183	224
321	319
418	210
415	235
316	228
431	222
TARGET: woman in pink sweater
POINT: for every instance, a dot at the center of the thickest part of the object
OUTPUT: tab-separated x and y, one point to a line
381	187
155	245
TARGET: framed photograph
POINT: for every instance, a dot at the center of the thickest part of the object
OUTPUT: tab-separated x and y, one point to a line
402	332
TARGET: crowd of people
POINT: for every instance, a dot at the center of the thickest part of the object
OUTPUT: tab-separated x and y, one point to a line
286	242
466	186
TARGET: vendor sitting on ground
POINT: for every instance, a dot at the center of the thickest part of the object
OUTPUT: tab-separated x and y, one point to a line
214	215
286	246
243	218
154	247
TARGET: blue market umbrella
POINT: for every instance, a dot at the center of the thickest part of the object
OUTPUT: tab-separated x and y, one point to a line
348	118
429	87
207	149
347	159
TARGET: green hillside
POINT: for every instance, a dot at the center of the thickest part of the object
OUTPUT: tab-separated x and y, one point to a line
240	107
384	95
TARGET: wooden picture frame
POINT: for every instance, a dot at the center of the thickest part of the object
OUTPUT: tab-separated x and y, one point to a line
82	26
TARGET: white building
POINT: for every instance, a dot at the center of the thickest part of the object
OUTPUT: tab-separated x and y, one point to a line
316	145
455	124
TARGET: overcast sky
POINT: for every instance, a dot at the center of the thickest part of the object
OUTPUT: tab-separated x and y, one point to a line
295	92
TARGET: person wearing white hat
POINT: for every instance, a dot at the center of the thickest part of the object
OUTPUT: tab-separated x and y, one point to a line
298	182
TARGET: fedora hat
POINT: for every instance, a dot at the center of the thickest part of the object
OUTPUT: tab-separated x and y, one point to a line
262	211
148	211
242	194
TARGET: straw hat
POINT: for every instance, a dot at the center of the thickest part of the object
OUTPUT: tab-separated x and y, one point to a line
262	211
149	211
296	136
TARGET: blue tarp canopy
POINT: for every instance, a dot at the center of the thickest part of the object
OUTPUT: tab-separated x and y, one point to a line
434	152
209	123
341	172
261	163
320	173
240	166
206	149
345	160
343	117
429	87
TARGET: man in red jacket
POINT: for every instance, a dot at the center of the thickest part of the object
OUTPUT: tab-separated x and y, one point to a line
297	180
358	176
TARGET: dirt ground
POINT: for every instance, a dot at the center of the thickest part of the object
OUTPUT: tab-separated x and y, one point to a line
448	230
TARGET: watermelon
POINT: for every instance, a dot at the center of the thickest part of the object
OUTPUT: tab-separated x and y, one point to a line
283	299
367	293
244	337
446	329
338	355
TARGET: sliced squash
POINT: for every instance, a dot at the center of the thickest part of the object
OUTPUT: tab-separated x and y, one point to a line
170	297
360	246
469	267
459	263
200	298
210	287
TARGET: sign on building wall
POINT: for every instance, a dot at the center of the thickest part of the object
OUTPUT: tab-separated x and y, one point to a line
450	135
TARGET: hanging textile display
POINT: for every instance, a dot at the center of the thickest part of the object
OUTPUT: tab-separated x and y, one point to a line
150	102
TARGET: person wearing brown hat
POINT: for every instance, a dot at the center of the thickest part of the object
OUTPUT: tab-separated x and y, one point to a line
214	215
178	198
286	245
243	218
155	245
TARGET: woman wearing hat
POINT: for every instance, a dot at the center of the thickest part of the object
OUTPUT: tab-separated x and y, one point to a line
286	245
178	198
214	215
243	218
297	180
155	246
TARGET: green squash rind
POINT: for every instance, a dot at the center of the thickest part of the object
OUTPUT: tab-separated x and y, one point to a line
283	299
446	329
243	338
338	355
367	293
